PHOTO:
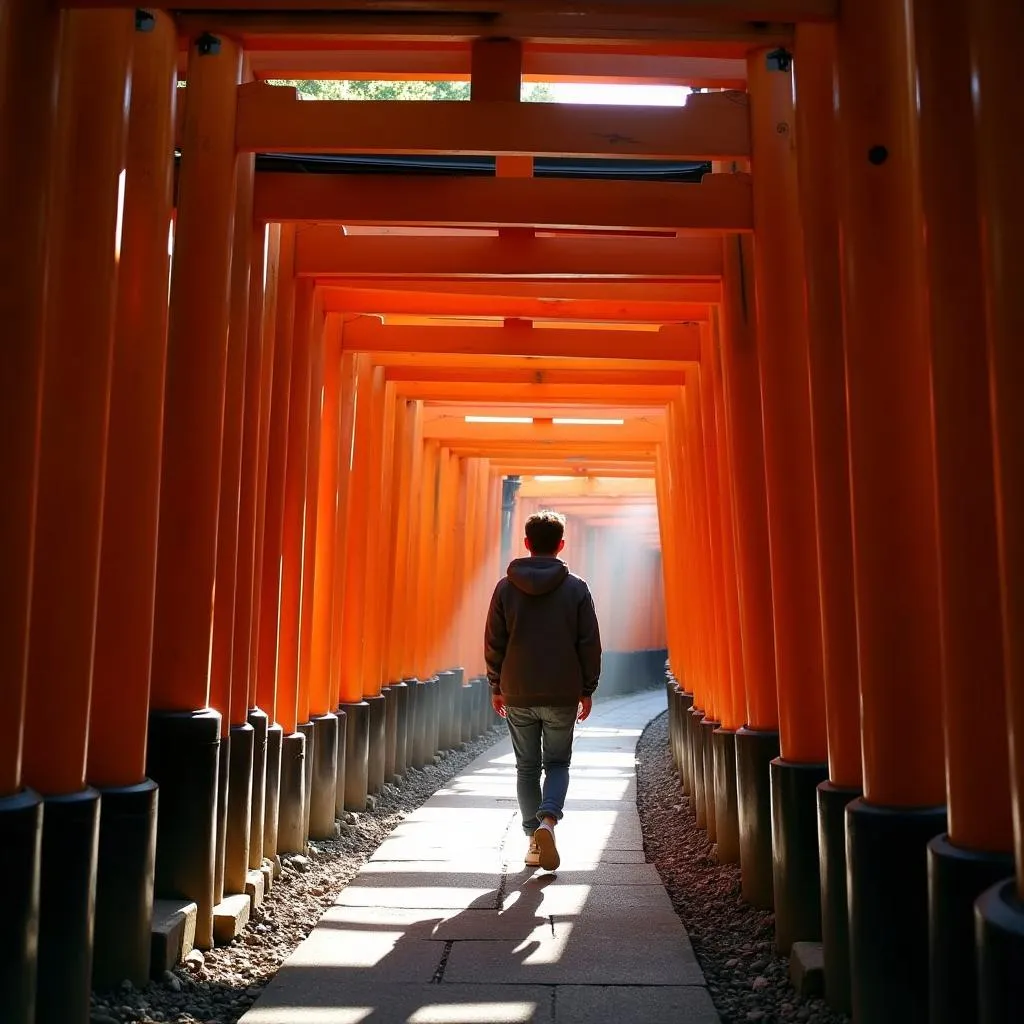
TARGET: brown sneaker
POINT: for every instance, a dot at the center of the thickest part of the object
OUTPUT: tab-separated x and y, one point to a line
533	855
544	837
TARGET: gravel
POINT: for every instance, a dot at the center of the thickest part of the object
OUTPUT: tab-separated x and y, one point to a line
217	986
733	940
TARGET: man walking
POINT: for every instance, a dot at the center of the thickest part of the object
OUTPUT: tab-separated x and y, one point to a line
543	651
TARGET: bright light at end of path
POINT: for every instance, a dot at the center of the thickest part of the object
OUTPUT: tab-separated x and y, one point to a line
499	419
473	1013
586	422
625	95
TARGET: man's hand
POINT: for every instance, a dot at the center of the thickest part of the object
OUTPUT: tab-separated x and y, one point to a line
498	703
586	704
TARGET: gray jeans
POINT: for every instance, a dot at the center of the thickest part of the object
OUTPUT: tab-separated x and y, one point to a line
541	739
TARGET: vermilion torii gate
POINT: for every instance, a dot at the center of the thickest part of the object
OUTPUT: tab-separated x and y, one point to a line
248	531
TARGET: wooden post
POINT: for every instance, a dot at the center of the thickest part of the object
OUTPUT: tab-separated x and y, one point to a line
994	34
86	183
888	387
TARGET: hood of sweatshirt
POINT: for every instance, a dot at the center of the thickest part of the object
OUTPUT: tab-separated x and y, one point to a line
538	574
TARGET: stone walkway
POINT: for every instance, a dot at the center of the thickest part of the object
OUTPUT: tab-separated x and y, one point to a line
444	925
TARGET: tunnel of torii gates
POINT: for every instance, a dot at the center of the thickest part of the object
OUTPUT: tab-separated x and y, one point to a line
255	498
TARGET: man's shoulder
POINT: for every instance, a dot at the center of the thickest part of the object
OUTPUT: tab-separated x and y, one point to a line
578	584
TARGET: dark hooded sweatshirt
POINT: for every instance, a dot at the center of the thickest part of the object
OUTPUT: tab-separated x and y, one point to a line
542	643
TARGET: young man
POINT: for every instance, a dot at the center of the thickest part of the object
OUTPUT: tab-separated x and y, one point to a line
543	652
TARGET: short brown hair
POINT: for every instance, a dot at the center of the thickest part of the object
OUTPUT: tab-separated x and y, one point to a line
544	531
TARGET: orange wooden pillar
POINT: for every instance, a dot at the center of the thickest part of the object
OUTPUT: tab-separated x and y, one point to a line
709	449
183	729
327	405
370	380
310	533
375	576
705	697
758	739
353	368
399	654
977	851
994	33
789	474
249	792
893	492
426	599
278	324
124	624
234	794
814	73
29	74
91	142
291	837
734	694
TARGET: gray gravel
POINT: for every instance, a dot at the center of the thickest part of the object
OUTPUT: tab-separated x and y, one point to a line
219	985
732	939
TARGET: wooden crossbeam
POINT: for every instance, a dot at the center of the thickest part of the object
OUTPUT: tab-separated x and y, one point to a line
323	252
554	293
455	430
721	203
451	63
712	126
681	342
382	301
542	383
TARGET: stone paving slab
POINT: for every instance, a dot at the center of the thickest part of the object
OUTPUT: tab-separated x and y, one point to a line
445	925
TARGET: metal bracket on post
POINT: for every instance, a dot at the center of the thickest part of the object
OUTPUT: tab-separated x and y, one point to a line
779	60
208	45
145	21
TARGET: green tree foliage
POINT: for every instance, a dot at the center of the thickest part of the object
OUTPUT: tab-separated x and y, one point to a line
326	89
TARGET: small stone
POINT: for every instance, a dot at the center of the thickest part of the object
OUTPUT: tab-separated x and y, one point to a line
755	1015
371	803
102	1018
350	818
299	863
195	960
759	983
171	981
127	987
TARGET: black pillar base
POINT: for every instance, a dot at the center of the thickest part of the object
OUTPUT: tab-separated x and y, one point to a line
272	791
390	732
339	787
467	711
124	886
182	758
21	834
887	878
417	732
684	705
483	711
323	788
259	722
999	931
291	831
376	750
956	878
696	752
67	907
797	868
727	821
455	721
835	916
755	750
446	710
239	831
433	716
707	730
400	696
357	750
220	853
306	729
